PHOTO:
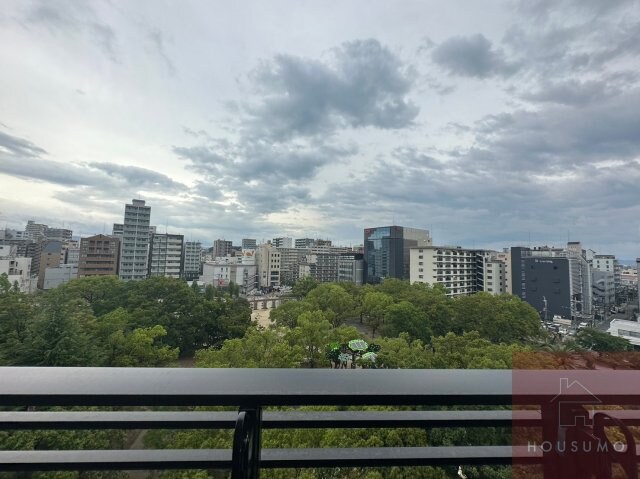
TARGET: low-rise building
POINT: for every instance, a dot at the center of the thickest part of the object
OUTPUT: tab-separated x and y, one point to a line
629	330
55	276
17	268
240	270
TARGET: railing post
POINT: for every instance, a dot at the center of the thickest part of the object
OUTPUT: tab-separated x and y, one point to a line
246	444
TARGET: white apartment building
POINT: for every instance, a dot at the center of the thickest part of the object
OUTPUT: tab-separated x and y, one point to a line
242	270
166	255
17	268
495	275
134	247
459	270
629	277
268	263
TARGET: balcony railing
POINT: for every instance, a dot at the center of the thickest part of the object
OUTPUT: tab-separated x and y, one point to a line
252	390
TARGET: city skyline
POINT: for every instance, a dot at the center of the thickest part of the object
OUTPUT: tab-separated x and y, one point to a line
506	123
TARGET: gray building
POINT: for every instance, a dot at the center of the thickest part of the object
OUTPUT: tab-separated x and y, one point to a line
134	247
222	248
553	281
249	243
387	251
192	260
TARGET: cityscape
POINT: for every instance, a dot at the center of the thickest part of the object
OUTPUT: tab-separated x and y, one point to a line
570	286
337	239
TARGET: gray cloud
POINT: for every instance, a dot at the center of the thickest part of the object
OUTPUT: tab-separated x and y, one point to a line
158	41
472	56
19	146
361	84
76	17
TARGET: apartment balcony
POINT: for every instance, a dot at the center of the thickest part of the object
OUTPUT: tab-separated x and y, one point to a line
253	391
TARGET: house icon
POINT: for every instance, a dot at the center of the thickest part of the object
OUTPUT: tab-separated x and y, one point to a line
575	412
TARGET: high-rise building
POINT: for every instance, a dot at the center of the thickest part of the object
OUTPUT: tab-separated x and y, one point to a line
99	256
268	266
118	230
134	248
192	260
36	231
222	248
282	242
59	234
249	243
554	281
166	255
386	251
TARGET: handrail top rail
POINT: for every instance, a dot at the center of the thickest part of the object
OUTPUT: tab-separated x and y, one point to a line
280	387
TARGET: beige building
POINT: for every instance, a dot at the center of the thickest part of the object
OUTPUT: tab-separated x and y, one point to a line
268	264
99	256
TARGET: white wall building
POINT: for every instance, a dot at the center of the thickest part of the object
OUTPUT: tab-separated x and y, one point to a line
459	270
242	270
54	277
495	277
268	263
629	330
166	255
282	242
17	268
134	246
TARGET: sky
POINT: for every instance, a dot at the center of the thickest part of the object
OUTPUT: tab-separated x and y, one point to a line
491	124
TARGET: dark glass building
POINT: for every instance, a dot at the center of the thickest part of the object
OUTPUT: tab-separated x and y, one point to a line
386	251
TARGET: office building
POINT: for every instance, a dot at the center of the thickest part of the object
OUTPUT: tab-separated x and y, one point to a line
248	243
351	268
387	251
304	242
99	256
134	247
290	260
166	255
222	248
555	281
282	242
192	260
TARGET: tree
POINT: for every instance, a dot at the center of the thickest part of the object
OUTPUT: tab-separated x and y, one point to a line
265	348
311	335
303	286
500	319
140	348
405	317
471	351
375	306
288	312
333	299
403	353
594	340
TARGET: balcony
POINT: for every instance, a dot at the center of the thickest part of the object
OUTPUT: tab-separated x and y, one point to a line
253	390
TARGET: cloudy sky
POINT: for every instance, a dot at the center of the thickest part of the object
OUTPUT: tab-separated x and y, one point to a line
491	123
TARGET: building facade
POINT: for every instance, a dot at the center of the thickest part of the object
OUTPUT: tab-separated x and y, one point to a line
51	256
268	266
461	271
99	256
282	242
556	282
134	247
192	260
387	251
240	270
222	248
55	276
249	243
17	268
166	255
